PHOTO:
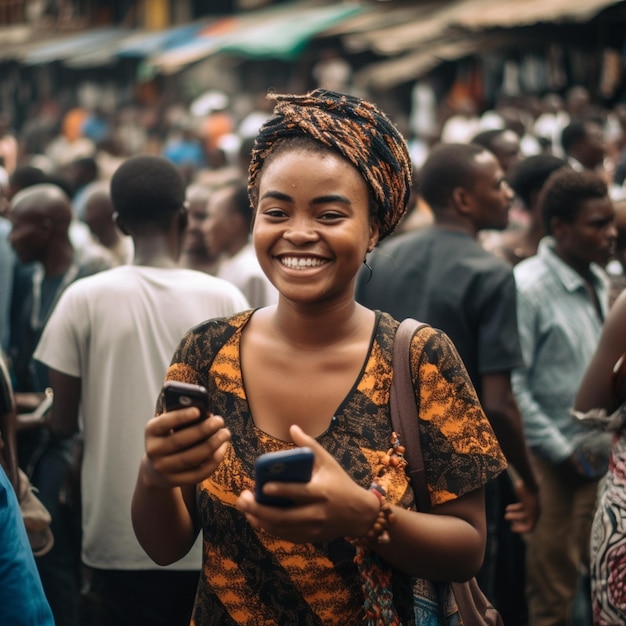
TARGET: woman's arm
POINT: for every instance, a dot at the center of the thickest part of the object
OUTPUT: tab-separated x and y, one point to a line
596	388
163	508
448	543
163	517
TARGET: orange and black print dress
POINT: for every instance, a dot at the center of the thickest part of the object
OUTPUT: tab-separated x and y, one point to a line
250	577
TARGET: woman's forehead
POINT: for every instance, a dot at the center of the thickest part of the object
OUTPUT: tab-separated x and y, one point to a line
327	167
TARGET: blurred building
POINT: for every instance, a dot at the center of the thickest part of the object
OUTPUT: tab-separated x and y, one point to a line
483	50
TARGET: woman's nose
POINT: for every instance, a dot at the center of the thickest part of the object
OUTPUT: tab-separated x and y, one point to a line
301	230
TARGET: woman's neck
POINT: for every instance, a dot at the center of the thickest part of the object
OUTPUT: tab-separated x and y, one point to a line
314	327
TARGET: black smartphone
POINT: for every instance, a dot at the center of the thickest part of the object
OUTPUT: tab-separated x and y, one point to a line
289	466
177	395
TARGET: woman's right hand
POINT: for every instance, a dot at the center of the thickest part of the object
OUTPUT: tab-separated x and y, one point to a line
328	506
177	454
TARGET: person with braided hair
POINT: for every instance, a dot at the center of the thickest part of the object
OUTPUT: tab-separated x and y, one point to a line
329	178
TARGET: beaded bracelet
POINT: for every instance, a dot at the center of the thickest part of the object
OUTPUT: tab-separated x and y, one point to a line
379	531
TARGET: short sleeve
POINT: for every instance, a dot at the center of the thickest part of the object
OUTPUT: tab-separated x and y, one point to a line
192	359
65	335
461	452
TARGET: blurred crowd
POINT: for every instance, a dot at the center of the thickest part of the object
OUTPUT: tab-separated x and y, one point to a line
210	137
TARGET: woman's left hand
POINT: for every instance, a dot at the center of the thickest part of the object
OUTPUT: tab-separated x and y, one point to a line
330	505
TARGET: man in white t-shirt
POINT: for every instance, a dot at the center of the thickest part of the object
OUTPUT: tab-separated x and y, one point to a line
108	345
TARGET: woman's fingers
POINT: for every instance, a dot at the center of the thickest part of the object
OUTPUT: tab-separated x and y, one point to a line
187	455
177	421
300	438
197	474
162	439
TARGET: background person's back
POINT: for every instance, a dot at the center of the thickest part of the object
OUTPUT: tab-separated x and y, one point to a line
122	327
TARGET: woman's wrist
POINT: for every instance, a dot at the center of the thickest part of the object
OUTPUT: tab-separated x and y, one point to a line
367	517
148	477
375	528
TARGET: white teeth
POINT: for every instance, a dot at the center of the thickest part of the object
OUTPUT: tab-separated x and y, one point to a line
299	263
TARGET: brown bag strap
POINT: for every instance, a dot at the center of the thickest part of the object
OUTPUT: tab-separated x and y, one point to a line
404	410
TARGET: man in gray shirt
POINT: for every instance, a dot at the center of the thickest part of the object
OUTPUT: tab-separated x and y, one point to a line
562	301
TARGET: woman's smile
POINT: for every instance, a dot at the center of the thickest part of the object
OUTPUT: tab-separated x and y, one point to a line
301	263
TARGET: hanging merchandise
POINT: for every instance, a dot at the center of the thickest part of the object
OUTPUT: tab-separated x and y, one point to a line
557	76
611	74
510	80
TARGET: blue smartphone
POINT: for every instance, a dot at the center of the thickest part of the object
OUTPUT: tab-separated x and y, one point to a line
289	466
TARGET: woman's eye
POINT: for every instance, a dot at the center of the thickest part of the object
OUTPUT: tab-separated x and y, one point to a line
331	216
274	213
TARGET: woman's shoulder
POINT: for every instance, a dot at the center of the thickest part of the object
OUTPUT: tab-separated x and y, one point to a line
426	335
432	340
218	326
387	326
208	337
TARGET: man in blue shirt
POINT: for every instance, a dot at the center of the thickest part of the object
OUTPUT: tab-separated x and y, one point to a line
562	301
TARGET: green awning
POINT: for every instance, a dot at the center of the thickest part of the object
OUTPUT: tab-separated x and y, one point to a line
279	32
282	34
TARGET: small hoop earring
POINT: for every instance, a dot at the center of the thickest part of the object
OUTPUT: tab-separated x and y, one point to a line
369	269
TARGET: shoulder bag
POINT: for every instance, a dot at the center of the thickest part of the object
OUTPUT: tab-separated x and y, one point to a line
474	609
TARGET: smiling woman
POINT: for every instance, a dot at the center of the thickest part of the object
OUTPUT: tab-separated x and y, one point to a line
353	128
329	177
312	227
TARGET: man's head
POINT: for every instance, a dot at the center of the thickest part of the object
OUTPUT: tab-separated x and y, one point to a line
505	145
464	184
583	140
197	196
579	214
147	193
41	216
24	176
227	227
577	101
99	213
81	172
529	176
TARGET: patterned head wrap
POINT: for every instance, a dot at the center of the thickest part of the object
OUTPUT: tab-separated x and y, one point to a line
357	130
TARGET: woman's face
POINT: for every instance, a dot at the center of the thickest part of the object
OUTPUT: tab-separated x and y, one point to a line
312	228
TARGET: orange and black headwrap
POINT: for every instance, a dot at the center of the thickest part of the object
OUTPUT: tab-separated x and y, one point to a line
357	130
